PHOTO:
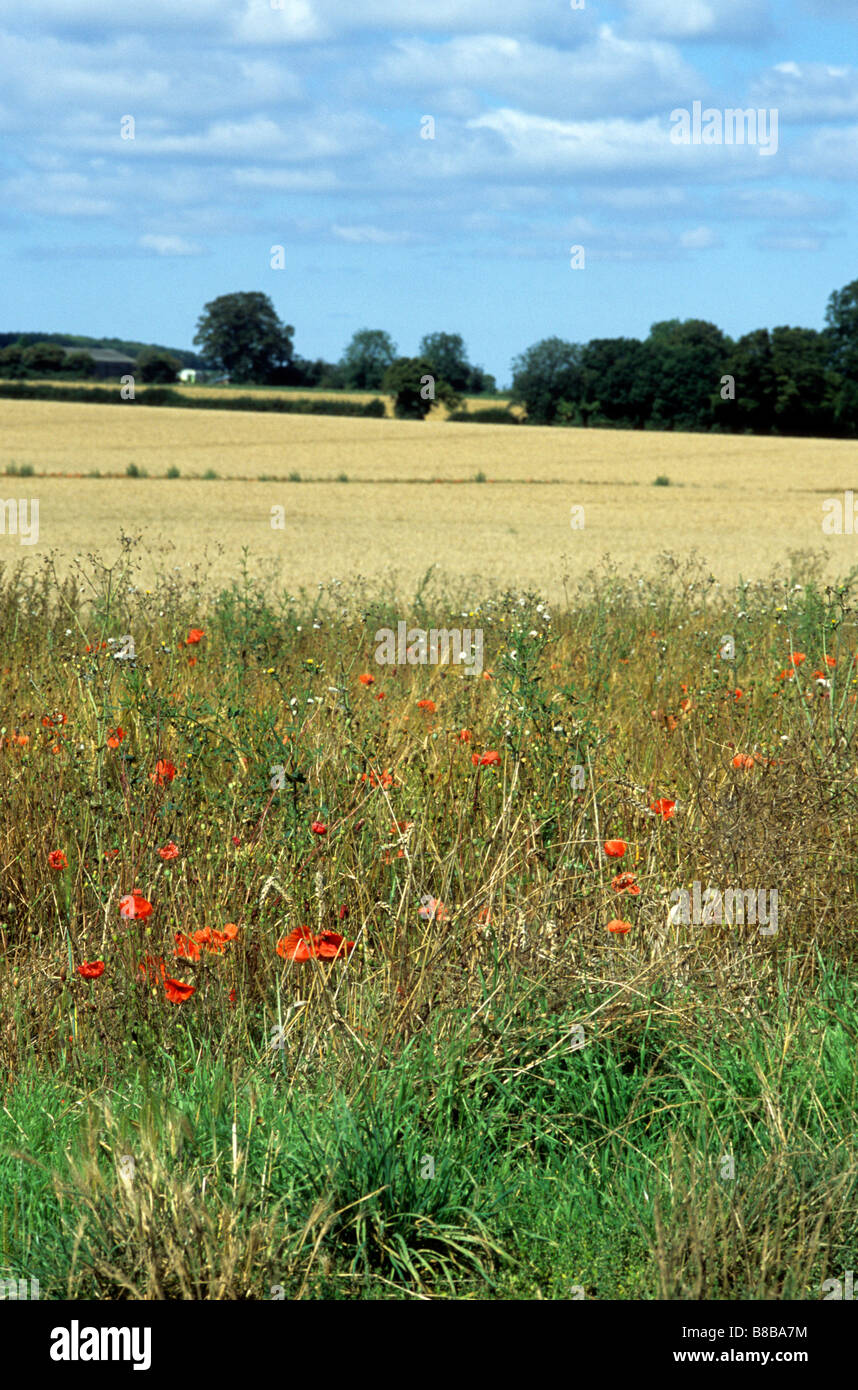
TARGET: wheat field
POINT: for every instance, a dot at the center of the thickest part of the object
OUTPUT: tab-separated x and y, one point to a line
388	498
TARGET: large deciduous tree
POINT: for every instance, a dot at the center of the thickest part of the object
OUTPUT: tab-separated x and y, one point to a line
366	359
547	374
241	334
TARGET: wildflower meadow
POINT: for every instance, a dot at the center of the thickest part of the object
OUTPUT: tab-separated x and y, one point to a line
327	976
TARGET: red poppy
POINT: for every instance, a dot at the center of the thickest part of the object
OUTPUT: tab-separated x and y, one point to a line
164	772
615	849
232	995
152	967
797	658
111	853
385	780
344	912
301	945
490	759
465	736
743	760
319	828
236	840
115	737
57	859
195	635
663	807
91	969
187	947
366	679
169	851
54	721
380	695
134	905
177	991
626	883
830	660
427	705
619	927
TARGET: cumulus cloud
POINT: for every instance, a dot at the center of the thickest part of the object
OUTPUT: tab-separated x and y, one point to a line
605	74
735	20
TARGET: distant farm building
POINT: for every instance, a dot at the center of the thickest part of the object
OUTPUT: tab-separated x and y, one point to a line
188	374
107	361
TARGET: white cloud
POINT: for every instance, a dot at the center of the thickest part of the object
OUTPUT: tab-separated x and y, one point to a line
374	236
605	74
808	91
736	20
699	239
170	246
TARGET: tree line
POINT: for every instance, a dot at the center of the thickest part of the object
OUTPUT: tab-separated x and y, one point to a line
685	375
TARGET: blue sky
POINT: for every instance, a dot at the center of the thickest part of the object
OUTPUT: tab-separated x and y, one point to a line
258	125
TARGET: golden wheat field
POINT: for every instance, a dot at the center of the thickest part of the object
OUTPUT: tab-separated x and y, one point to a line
410	499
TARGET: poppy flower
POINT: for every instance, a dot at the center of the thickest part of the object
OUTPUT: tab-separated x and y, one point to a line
319	828
187	947
626	883
663	807
302	945
91	969
195	635
366	679
427	705
344	912
685	705
177	991
385	780
151	968
192	661
465	736
743	760
169	851
115	737
164	772
797	658
400	827
380	695
236	840
134	905
231	995
619	927
615	849
490	759
54	721
830	660
57	859
111	853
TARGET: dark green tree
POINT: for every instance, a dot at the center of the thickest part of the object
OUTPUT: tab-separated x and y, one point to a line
806	388
617	385
241	334
841	318
687	363
12	361
446	352
156	366
416	389
366	359
79	364
44	358
749	404
546	374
